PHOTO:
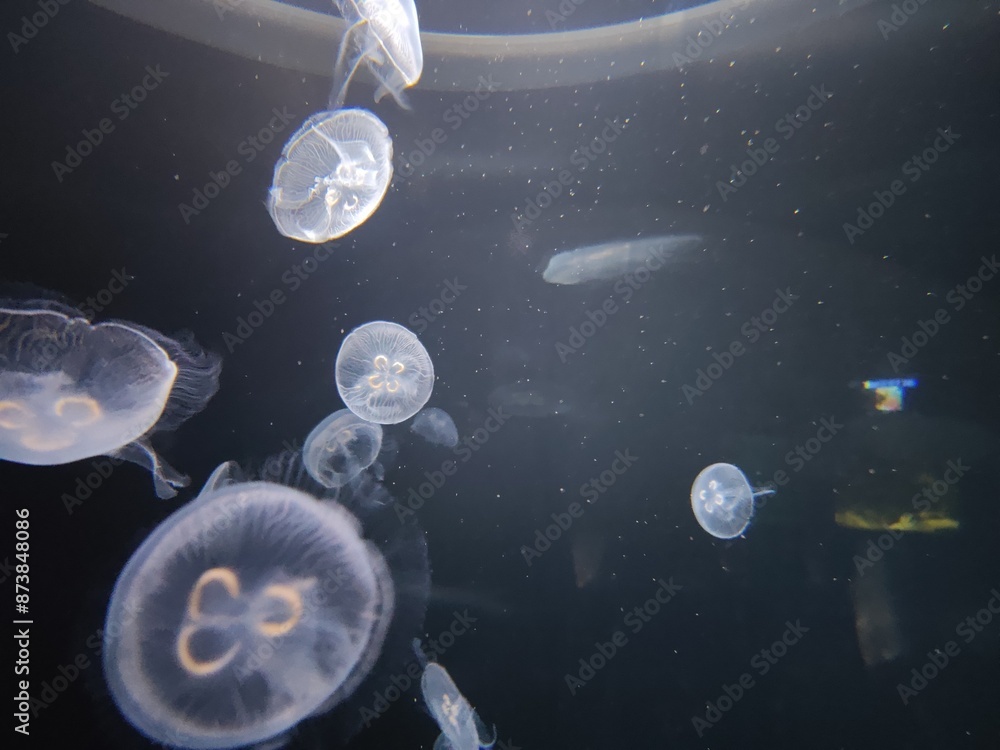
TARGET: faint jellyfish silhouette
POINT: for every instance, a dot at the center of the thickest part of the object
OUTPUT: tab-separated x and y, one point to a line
610	260
435	426
384	374
723	500
70	389
332	175
385	36
341	447
461	727
248	610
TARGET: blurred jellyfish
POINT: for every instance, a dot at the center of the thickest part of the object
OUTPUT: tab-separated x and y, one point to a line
384	35
723	501
435	426
612	259
461	727
341	447
524	398
70	389
384	374
332	175
248	610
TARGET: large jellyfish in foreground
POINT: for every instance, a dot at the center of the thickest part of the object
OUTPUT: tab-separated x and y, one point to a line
341	447
256	606
71	389
723	500
384	35
461	727
332	175
436	426
384	374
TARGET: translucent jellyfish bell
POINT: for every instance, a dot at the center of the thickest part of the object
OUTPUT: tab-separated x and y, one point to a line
385	36
384	373
435	426
70	389
723	500
341	447
461	727
332	175
246	611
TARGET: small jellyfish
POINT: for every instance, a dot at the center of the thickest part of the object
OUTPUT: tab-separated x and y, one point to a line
384	374
332	175
461	727
385	35
71	389
435	426
723	501
248	610
341	447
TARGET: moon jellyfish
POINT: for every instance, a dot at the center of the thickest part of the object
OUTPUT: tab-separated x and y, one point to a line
461	727
612	259
723	501
383	372
248	610
435	426
341	447
332	175
384	35
71	389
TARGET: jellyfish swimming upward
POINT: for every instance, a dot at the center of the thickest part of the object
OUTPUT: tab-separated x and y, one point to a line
384	35
332	175
71	389
384	374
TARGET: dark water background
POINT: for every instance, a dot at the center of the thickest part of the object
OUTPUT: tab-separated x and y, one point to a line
450	221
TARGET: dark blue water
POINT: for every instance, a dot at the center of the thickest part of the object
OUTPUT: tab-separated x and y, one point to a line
457	218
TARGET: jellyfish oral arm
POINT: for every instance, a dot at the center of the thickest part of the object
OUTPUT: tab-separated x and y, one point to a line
349	58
